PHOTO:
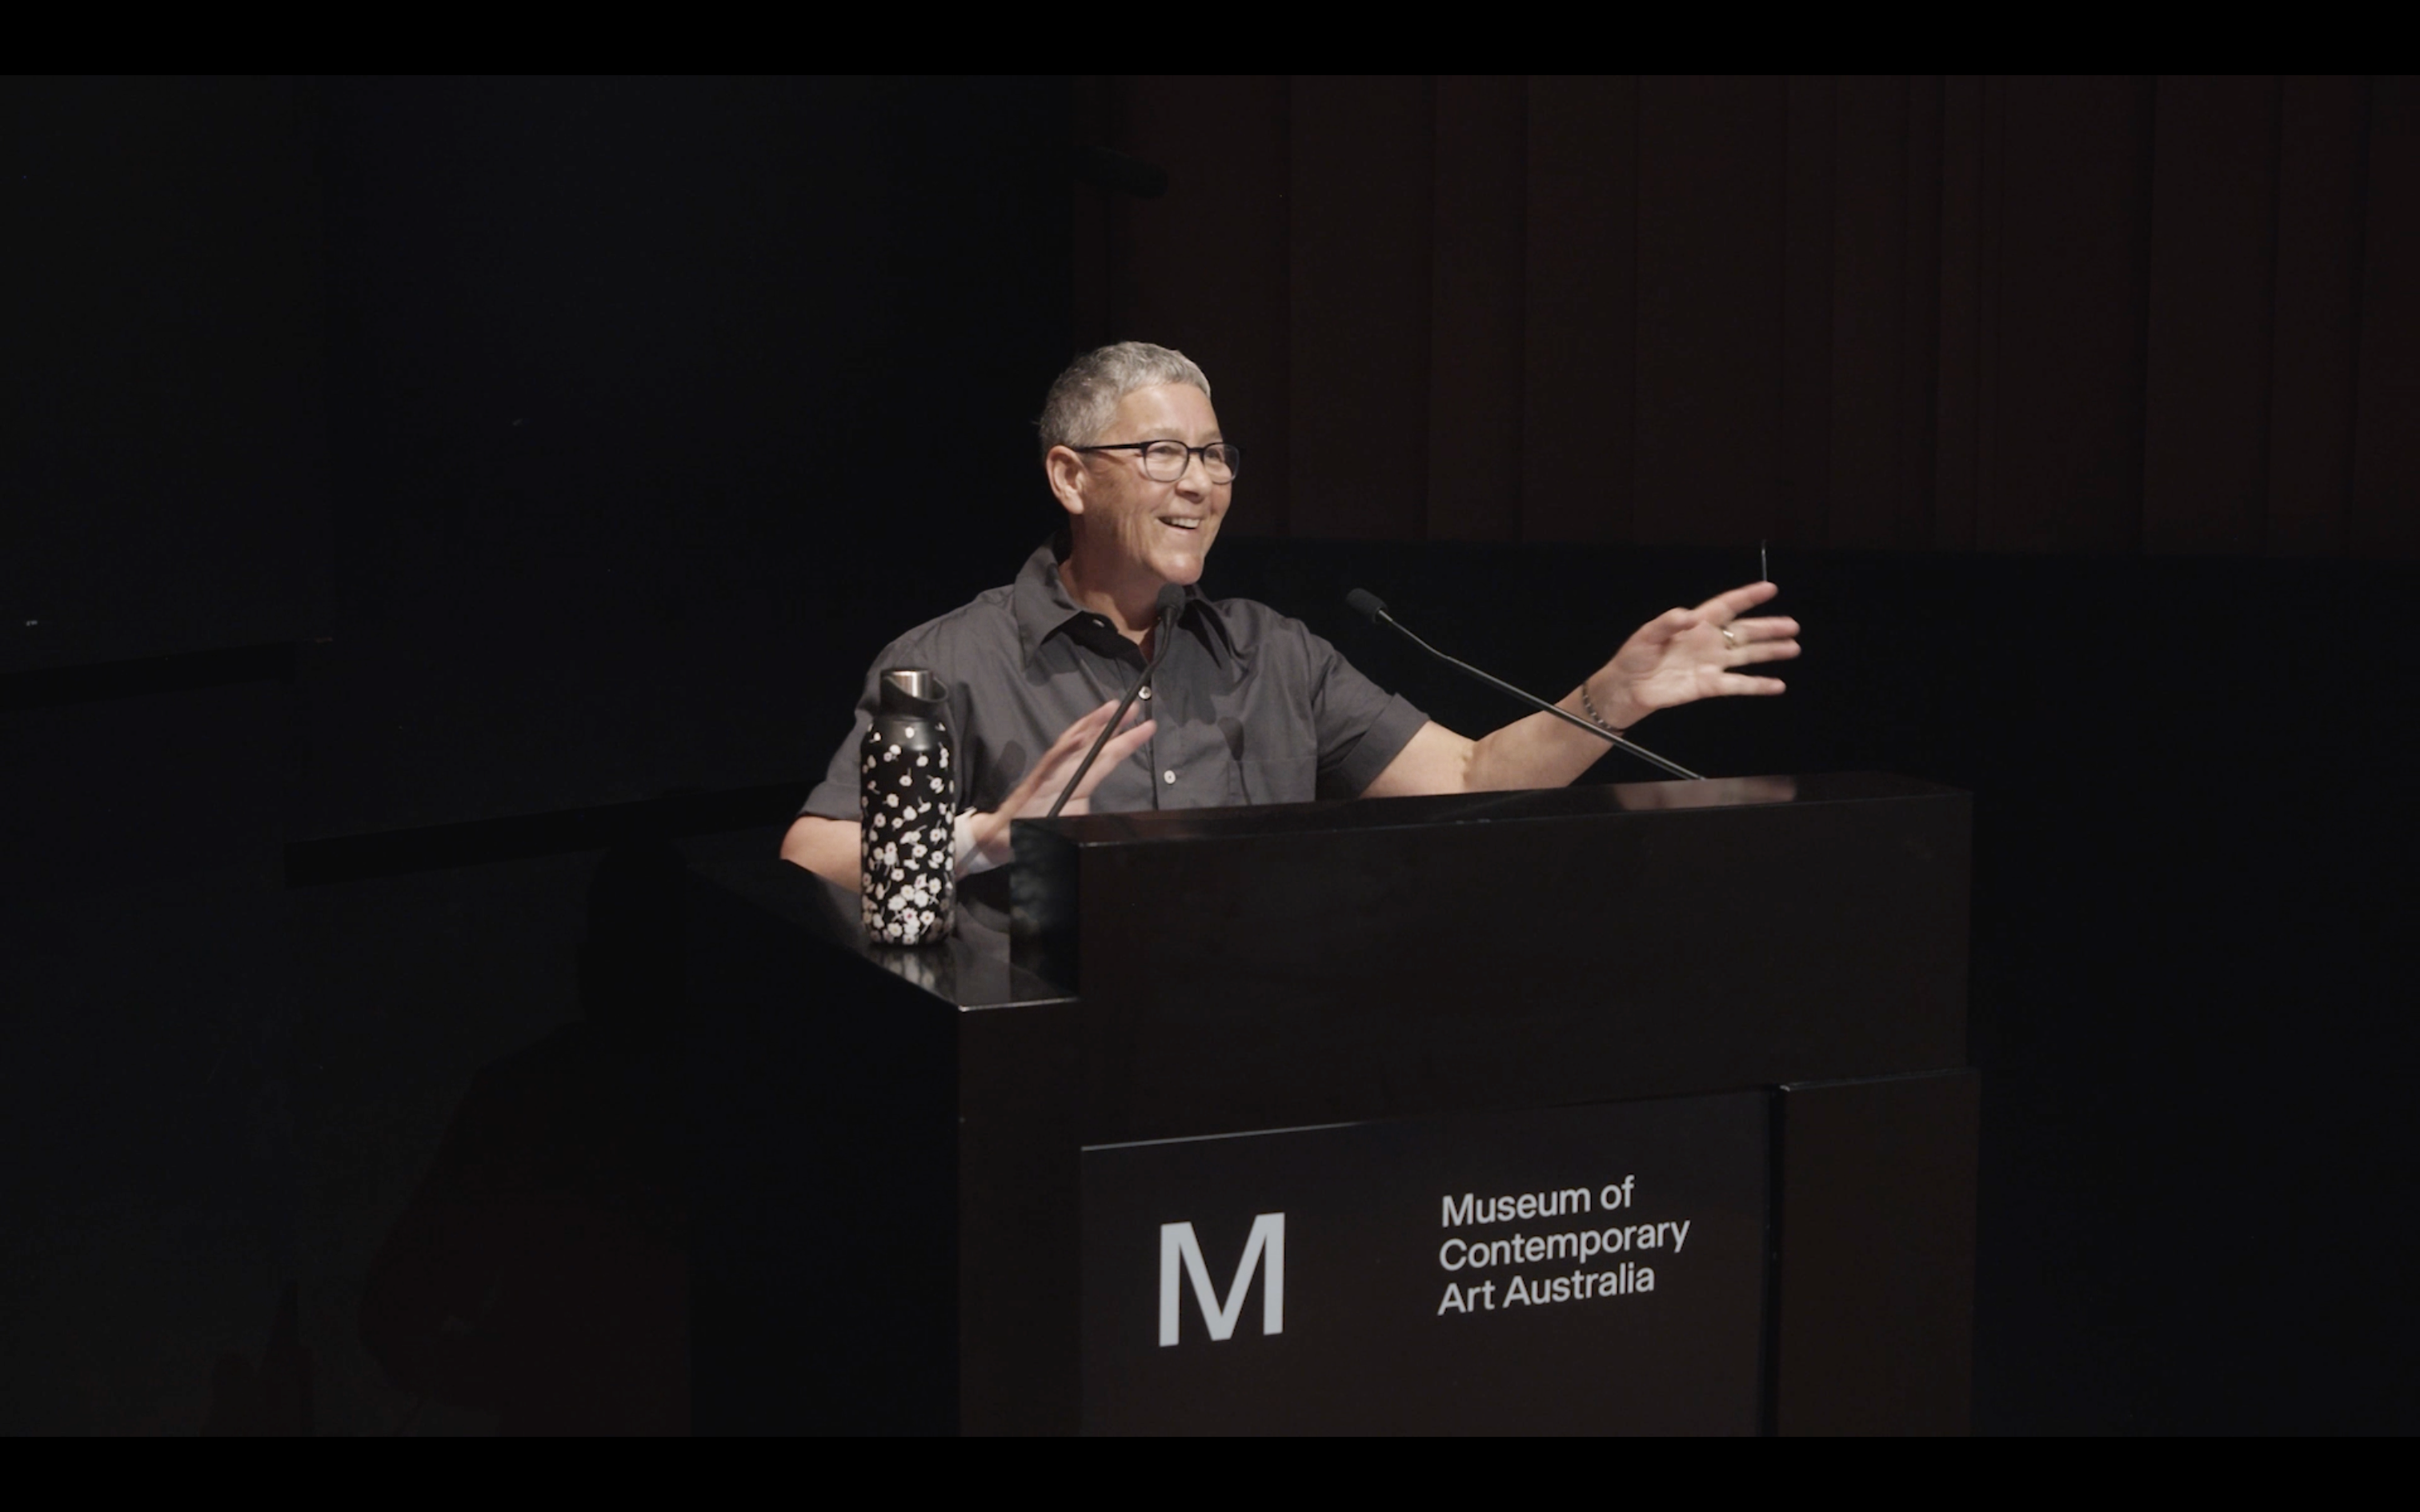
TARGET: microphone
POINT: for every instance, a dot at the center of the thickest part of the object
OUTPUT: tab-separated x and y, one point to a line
1169	605
1370	606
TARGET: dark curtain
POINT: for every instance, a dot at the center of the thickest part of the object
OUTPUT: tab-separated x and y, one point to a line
2095	315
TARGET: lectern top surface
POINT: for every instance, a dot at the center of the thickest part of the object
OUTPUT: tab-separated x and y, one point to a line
1595	800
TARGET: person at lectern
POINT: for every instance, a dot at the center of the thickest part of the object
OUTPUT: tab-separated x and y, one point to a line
1246	705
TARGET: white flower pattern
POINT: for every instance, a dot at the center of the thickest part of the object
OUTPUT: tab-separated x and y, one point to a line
910	886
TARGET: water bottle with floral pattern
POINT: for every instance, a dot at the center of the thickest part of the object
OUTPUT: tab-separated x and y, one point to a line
908	802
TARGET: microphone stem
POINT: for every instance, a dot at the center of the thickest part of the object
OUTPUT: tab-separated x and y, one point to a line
1675	768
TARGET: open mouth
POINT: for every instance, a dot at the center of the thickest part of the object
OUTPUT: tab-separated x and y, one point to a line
1176	523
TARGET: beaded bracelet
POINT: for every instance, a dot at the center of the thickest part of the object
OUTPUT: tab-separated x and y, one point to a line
1589	705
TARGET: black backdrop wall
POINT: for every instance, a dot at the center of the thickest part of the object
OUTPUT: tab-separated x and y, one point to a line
544	459
416	488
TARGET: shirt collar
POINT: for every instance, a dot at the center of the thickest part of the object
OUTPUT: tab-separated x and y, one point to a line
1043	609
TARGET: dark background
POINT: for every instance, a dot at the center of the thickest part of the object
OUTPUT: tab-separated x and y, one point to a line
413	489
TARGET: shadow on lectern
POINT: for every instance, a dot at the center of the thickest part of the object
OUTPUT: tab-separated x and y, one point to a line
541	1268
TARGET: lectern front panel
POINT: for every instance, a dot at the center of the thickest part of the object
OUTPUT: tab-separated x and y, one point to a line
1579	1270
1235	1136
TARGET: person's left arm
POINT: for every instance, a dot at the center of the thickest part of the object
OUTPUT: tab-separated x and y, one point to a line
1678	658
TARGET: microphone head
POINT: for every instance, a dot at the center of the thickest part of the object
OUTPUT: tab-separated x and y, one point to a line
1366	603
1171	603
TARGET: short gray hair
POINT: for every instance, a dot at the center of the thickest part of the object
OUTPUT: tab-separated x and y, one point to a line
1085	398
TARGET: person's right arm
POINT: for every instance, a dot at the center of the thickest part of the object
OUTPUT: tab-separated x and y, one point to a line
831	847
827	847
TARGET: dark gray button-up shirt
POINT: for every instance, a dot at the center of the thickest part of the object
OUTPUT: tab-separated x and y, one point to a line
1252	707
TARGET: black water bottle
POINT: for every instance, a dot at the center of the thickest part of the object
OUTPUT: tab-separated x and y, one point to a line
906	805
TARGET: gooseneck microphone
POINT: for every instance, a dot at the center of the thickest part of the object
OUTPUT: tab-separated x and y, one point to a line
1169	605
1370	606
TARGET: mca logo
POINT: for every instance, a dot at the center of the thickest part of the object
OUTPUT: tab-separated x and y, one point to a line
1179	1250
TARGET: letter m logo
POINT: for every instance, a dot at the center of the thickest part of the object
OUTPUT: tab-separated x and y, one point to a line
1178	1247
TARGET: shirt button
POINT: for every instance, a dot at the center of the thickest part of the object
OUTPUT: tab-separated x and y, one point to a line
1169	776
1146	692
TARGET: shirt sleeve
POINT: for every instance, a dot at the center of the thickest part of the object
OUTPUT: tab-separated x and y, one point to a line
1362	728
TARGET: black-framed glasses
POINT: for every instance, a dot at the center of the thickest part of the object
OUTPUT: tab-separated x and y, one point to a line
1166	461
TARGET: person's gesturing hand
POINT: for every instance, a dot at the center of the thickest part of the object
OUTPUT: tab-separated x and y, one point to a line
1032	798
1685	654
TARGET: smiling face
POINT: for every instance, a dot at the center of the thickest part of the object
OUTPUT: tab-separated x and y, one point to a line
1132	533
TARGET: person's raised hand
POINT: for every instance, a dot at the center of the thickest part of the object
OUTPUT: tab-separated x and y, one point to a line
1684	654
1032	796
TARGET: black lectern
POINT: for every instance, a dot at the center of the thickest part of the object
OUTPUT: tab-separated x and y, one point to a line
1633	1108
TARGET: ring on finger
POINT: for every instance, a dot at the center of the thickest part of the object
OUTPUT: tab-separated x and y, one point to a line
1730	639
